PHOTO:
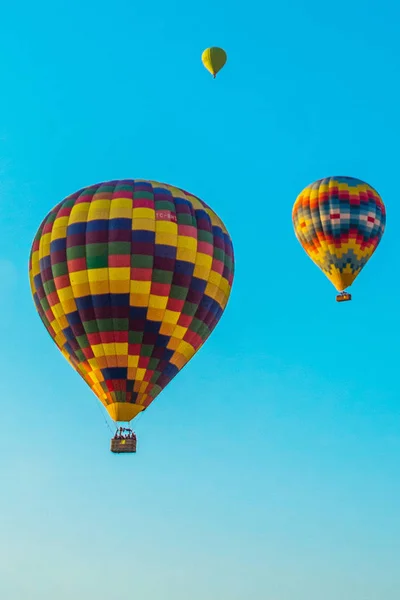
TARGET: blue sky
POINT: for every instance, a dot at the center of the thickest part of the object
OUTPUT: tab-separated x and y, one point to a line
269	467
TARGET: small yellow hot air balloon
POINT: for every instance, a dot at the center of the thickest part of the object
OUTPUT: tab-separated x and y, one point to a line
214	59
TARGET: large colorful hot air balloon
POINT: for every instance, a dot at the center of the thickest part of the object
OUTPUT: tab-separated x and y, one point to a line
339	221
214	59
130	278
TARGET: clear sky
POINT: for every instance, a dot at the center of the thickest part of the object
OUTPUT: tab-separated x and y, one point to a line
269	468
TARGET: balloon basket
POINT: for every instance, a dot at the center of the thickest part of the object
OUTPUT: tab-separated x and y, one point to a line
121	444
343	297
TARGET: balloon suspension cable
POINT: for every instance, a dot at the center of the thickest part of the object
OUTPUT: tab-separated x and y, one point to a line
104	417
127	432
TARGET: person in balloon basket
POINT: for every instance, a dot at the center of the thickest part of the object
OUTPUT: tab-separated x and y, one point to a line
120	435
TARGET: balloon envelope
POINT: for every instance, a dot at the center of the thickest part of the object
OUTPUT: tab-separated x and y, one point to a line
214	59
339	221
130	278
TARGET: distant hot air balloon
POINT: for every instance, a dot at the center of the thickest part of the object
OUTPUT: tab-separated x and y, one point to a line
214	59
130	278
339	221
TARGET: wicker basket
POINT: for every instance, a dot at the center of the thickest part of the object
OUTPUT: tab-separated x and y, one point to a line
344	297
120	445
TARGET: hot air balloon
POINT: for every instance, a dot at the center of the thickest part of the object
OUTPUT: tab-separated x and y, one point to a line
214	59
339	221
130	278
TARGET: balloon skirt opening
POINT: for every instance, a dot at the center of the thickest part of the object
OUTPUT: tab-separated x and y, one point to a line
123	411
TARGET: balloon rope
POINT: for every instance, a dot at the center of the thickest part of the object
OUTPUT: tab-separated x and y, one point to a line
104	417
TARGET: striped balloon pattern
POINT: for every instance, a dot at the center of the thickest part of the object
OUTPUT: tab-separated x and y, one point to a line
130	278
339	221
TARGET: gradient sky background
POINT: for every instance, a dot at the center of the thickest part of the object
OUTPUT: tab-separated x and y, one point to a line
269	468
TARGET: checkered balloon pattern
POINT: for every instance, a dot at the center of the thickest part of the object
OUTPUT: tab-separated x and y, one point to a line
130	278
339	221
